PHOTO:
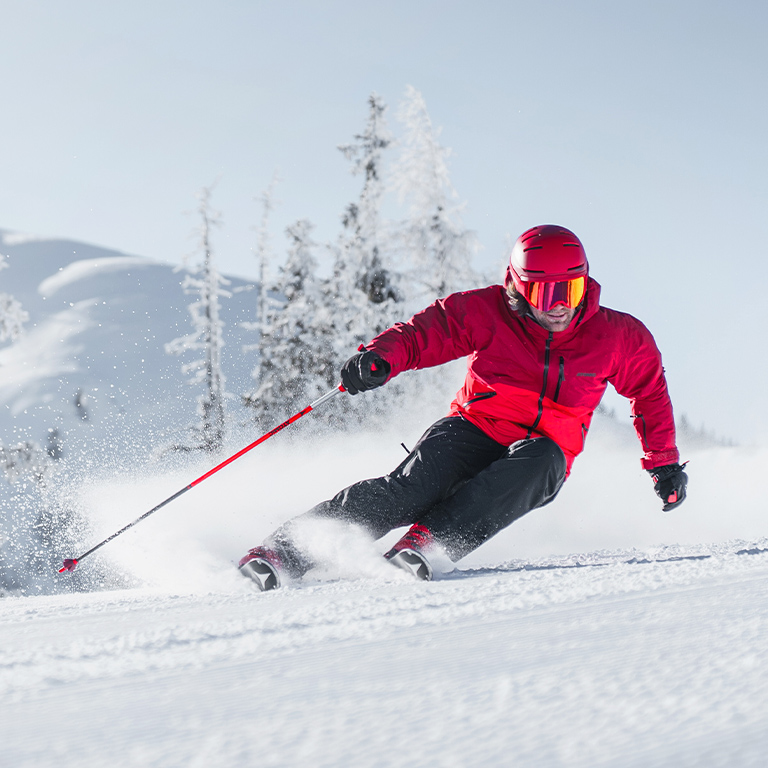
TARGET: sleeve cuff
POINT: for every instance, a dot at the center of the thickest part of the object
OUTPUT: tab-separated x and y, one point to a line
660	459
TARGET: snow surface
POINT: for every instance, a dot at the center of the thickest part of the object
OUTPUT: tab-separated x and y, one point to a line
598	661
595	632
641	656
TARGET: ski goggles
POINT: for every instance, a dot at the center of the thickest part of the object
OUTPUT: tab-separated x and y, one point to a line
545	296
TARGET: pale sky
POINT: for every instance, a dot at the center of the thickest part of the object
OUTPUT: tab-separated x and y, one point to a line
641	126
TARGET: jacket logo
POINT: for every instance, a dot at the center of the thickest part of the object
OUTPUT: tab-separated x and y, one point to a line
586	374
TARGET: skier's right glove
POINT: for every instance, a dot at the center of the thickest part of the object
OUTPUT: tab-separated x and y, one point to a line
670	482
366	370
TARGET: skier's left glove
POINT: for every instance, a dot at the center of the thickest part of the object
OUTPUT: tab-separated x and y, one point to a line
670	482
366	370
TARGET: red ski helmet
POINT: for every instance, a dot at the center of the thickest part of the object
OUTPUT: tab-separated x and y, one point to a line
548	266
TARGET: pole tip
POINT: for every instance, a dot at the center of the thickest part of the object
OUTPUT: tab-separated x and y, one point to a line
69	565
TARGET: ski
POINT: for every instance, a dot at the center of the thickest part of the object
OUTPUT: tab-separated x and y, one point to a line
266	575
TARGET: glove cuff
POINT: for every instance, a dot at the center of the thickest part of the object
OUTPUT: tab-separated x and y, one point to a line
668	470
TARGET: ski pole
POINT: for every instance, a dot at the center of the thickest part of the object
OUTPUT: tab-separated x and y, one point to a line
71	564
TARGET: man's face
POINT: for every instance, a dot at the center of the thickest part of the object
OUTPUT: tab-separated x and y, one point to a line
556	319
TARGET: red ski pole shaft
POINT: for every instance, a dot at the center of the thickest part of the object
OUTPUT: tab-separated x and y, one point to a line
71	564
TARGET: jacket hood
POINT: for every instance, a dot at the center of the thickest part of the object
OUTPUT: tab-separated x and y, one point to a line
591	303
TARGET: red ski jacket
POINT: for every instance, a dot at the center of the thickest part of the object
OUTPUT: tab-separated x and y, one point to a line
524	381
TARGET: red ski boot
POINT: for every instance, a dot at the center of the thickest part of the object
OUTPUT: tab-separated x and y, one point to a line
408	553
263	566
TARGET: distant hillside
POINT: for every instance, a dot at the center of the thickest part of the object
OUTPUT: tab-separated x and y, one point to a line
91	363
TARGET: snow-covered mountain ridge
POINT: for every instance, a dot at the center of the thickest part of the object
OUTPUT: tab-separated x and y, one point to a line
98	323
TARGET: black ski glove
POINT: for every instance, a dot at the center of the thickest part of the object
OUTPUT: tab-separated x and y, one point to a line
363	371
669	482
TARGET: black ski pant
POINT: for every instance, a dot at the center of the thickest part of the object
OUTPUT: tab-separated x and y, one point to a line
458	482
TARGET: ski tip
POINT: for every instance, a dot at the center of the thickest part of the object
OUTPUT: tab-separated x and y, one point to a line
69	565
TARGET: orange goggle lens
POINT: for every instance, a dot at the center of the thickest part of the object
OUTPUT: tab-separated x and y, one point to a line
544	296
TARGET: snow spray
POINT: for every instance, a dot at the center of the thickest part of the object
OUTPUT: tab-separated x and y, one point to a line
71	563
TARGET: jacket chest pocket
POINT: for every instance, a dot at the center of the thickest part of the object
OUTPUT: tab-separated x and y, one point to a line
574	386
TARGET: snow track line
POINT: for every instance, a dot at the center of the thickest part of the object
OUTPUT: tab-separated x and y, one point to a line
471	572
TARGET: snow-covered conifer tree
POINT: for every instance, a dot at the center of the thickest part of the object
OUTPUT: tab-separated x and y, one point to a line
266	305
432	239
264	249
26	458
207	338
39	525
365	285
12	316
27	520
296	365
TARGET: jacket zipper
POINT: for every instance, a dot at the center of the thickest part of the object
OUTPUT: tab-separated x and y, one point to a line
560	378
481	396
543	388
645	436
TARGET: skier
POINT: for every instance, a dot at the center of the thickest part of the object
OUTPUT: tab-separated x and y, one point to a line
541	351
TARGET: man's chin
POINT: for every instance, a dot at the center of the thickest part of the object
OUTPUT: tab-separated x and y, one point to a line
557	324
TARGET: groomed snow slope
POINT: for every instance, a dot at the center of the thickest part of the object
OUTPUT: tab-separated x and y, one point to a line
601	661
